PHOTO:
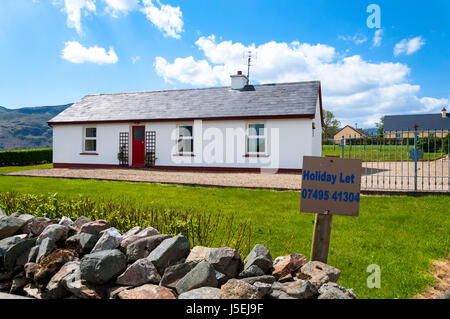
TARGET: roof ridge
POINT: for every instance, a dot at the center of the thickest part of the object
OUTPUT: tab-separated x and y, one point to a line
205	88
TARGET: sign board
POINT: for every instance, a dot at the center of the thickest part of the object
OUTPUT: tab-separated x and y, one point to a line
331	184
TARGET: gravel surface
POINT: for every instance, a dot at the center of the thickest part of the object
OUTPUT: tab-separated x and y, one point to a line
433	176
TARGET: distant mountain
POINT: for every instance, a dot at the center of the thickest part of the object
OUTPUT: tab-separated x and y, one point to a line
27	128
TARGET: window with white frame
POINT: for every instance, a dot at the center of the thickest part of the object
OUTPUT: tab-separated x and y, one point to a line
256	138
90	139
185	139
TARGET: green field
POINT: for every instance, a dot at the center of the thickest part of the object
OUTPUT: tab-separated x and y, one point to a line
402	235
376	153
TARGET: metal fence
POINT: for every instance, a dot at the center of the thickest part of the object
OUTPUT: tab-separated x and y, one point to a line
402	160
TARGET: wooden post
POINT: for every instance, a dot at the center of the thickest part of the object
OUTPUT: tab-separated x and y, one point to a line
321	237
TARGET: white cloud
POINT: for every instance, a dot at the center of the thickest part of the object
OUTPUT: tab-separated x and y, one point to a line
135	59
354	89
166	18
74	10
378	37
115	7
357	38
409	46
74	52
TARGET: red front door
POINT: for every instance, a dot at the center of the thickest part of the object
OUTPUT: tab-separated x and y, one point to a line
138	146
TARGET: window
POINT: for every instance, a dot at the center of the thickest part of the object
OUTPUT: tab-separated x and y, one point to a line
90	139
185	139
256	138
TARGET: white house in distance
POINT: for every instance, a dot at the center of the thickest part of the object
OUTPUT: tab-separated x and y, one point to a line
239	128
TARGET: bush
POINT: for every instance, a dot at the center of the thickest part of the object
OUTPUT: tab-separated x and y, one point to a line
26	157
201	228
431	144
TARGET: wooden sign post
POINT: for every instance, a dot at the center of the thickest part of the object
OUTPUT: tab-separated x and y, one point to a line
330	186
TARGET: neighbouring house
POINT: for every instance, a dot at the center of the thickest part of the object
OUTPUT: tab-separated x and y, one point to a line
239	128
347	132
402	126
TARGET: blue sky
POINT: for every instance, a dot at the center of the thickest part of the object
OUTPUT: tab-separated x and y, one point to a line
57	51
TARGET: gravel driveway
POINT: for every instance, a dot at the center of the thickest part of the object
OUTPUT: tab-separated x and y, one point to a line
432	176
248	180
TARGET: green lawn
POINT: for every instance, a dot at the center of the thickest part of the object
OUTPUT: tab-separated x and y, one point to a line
9	169
373	153
402	235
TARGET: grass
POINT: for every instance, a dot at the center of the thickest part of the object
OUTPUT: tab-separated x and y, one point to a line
9	169
376	153
402	235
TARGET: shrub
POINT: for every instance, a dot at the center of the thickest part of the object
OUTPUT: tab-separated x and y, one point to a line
430	144
26	157
202	228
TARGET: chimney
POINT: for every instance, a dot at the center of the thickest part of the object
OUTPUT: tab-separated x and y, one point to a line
444	113
238	81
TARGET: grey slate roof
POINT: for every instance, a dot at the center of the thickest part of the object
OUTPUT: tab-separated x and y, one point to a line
264	100
424	121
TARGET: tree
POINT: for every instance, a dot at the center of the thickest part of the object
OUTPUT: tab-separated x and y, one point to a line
380	127
330	124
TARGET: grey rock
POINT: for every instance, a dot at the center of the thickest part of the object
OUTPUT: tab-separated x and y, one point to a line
203	275
102	266
169	252
54	232
174	273
30	270
267	279
45	247
15	251
142	247
32	291
80	288
140	272
55	288
80	222
299	289
110	239
2	213
238	289
259	256
334	291
263	288
32	255
66	221
26	217
82	242
319	273
200	293
35	226
128	239
10	225
252	271
6	243
132	231
224	259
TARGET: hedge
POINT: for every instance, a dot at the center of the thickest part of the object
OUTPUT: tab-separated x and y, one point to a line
25	157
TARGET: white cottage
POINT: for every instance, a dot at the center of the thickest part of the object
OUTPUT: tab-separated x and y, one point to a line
239	128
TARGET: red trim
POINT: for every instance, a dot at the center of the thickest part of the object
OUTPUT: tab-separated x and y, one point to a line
183	168
79	165
219	118
88	153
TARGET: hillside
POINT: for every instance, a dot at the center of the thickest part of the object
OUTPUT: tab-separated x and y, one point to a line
27	128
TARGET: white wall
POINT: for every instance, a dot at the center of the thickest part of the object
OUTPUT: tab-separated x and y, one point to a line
294	140
68	144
